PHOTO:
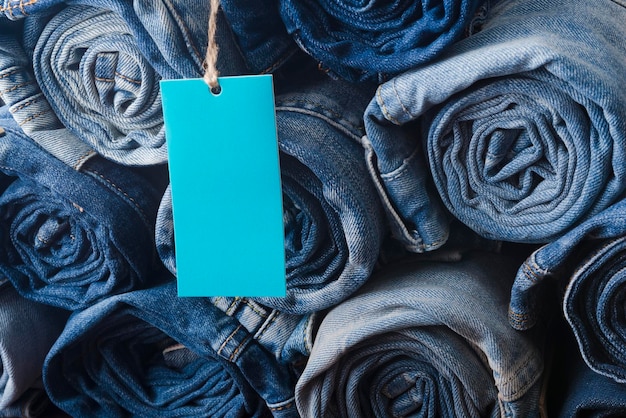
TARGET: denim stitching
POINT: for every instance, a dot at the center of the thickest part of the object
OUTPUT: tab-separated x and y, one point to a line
20	6
395	90
236	351
23	105
123	192
281	408
219	351
255	309
232	307
383	107
82	159
10	73
32	117
267	325
302	103
17	86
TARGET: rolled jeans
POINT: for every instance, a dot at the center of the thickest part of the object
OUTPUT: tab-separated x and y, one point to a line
575	390
521	123
152	353
99	64
27	332
333	219
588	264
71	236
425	339
375	40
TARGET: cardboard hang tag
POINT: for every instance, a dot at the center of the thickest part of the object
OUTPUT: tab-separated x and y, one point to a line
225	183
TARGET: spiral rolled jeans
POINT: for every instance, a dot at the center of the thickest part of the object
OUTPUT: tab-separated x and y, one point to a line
151	353
425	339
99	64
371	41
70	237
522	124
589	264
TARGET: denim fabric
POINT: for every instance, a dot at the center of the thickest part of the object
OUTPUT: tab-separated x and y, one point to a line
27	331
333	220
575	391
70	237
588	262
425	339
360	41
523	122
99	67
261	34
32	404
30	109
151	353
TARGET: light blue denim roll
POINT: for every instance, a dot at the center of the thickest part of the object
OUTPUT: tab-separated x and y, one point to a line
523	122
71	236
99	64
425	339
374	40
27	332
588	263
151	353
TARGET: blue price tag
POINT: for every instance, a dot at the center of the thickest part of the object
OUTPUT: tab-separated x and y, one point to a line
226	191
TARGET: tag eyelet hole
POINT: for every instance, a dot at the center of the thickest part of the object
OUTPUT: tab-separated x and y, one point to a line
216	90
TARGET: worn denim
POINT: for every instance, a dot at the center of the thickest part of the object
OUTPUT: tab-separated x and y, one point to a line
100	66
427	339
371	41
588	263
152	353
72	236
523	122
27	331
575	391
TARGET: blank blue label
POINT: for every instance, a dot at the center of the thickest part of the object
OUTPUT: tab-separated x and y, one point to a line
226	191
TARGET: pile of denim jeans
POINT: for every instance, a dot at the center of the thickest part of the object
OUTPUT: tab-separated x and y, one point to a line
454	205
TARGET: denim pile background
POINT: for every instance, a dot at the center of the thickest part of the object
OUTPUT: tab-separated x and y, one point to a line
454	188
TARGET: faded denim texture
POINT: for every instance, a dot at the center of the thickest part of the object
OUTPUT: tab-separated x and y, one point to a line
427	339
522	124
151	353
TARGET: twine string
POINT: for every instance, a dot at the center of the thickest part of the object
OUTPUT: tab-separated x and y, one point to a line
210	59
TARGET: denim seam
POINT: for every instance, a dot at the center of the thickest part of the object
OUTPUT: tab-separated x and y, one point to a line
255	309
23	105
143	214
282	408
266	325
294	104
184	30
120	75
396	173
280	61
15	87
335	124
395	90
221	348
516	394
10	73
20	6
232	307
81	160
34	116
383	107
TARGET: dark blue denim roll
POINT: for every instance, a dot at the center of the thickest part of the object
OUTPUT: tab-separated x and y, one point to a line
589	264
374	40
70	237
522	123
152	353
